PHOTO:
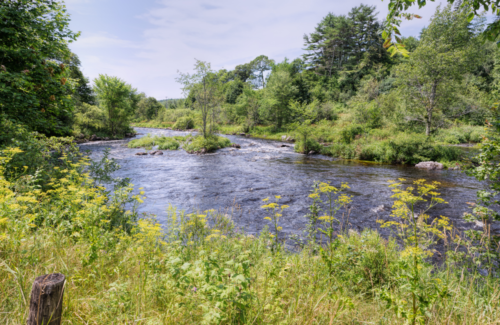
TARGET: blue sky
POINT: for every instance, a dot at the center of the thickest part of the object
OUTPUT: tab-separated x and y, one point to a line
147	42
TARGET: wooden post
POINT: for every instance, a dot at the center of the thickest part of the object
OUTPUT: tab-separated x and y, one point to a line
46	300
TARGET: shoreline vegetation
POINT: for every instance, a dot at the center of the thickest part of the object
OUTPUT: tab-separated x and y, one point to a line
403	148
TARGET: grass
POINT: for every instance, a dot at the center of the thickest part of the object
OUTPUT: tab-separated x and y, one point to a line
163	143
209	144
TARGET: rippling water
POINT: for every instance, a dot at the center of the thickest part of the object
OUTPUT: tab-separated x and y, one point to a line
236	180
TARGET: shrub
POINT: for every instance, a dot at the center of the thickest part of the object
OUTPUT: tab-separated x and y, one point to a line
184	123
210	143
312	145
349	133
163	143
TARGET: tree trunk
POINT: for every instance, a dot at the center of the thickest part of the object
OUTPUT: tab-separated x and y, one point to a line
46	300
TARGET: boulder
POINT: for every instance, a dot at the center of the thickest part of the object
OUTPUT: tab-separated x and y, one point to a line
431	165
285	146
312	152
235	145
106	139
158	153
242	133
141	153
93	137
204	150
247	135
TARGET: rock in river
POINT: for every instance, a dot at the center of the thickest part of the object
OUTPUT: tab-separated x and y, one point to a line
431	165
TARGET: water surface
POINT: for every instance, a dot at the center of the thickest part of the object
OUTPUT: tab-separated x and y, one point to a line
236	180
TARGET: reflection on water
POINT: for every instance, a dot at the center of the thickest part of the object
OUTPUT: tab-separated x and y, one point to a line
237	180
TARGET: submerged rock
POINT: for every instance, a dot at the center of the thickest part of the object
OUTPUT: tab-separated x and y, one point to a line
431	165
242	133
156	152
235	145
312	152
378	209
285	146
141	153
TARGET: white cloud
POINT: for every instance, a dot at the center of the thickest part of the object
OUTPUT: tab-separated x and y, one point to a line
225	33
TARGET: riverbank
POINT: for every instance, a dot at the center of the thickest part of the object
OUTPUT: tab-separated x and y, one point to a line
356	142
206	268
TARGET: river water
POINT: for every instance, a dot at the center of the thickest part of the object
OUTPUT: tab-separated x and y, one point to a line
236	180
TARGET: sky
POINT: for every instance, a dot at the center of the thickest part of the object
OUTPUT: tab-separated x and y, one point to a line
147	42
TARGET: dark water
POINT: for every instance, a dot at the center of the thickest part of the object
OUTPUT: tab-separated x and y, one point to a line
236	180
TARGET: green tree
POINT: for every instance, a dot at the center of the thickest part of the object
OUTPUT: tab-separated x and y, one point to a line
430	80
248	105
205	88
345	47
397	12
34	88
118	100
148	108
260	65
277	96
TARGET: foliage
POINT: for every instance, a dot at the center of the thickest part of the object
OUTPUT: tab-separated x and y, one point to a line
275	212
89	119
184	123
418	235
35	89
117	100
200	144
397	12
148	108
204	86
162	143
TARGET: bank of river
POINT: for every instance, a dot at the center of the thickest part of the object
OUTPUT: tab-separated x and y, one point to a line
236	180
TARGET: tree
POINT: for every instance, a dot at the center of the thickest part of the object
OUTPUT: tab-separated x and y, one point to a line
247	105
429	80
33	79
204	86
397	12
148	108
345	47
82	92
304	115
277	96
260	65
118	100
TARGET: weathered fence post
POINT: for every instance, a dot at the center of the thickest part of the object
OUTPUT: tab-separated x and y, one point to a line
46	300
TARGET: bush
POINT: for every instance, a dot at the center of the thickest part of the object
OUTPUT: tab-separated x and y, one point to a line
349	132
460	134
401	148
312	145
211	143
163	143
184	123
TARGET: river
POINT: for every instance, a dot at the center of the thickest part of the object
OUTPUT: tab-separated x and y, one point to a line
236	180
